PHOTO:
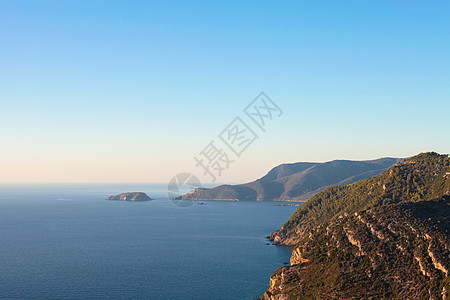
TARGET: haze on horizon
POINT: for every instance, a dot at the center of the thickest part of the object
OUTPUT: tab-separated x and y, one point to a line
116	91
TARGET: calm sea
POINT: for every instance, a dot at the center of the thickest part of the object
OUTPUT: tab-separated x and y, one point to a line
66	241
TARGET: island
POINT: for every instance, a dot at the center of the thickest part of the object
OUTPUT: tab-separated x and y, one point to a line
135	196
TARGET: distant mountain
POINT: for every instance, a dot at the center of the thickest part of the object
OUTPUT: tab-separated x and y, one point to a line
296	181
385	237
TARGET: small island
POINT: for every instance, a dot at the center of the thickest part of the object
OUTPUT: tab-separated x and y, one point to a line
135	196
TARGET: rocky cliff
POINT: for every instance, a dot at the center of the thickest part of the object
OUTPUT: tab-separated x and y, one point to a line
398	251
386	237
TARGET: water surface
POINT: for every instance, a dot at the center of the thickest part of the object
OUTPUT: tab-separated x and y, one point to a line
66	241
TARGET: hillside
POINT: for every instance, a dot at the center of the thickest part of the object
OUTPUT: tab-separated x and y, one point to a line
295	182
383	237
398	251
423	177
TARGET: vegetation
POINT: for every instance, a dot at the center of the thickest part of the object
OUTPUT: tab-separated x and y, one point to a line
398	251
423	177
386	237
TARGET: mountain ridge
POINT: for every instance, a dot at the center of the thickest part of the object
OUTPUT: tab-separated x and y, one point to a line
295	181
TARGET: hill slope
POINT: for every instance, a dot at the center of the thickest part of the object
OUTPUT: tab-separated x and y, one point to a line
398	251
382	237
295	182
423	177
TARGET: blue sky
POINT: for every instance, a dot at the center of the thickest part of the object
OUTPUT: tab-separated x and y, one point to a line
120	91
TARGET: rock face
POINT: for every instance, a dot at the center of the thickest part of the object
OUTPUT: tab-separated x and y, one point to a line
295	182
135	196
386	237
398	251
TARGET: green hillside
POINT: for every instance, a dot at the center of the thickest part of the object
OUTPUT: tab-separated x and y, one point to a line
423	177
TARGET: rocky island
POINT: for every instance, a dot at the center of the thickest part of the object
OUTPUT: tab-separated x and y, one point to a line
135	196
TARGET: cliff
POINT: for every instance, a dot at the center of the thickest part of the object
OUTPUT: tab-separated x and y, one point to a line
385	237
398	251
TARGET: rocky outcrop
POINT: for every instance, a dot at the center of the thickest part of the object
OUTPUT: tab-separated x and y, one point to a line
398	251
135	196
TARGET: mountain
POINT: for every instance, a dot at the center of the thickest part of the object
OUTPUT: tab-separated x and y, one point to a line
385	237
423	177
296	181
135	196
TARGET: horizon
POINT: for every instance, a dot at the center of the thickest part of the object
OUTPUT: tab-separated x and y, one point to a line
207	184
132	92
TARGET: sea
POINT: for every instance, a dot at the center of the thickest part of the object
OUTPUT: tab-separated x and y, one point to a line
65	241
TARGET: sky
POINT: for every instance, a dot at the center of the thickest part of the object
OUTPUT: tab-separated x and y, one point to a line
132	91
